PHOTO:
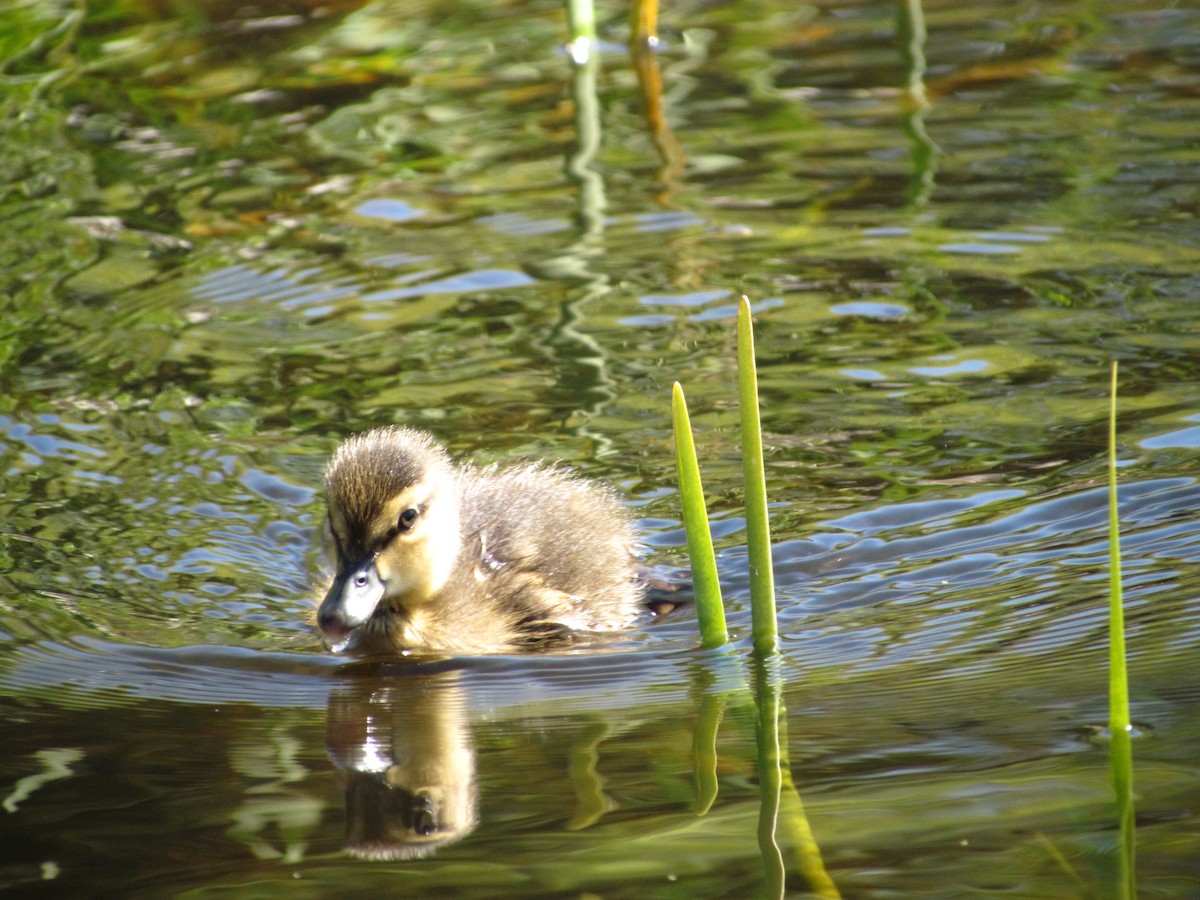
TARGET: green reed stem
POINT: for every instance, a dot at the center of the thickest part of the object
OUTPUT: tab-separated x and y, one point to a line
758	528
1121	749
1118	684
710	609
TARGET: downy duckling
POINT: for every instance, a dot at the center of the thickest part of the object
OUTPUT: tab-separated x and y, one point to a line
436	556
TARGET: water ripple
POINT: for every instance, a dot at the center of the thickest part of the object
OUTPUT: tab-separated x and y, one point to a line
1031	583
87	672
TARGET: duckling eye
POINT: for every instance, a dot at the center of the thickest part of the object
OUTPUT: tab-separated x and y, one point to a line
407	518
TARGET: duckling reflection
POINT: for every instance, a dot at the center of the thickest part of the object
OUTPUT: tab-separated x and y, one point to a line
405	749
436	556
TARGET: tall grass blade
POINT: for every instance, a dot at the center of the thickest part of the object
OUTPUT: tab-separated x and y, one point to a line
1121	748
758	529
710	610
1118	684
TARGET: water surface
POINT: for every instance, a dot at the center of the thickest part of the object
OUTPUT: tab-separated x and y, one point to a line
235	237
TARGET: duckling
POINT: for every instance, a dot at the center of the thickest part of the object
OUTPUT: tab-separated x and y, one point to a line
441	557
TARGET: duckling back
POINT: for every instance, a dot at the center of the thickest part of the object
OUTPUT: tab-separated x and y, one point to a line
554	552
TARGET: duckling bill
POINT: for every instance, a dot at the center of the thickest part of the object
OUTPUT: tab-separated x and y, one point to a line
436	556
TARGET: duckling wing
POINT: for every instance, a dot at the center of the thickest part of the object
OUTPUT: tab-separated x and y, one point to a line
552	546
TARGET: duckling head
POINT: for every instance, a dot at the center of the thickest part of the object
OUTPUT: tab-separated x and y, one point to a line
394	527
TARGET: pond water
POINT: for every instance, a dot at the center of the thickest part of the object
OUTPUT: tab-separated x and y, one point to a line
236	234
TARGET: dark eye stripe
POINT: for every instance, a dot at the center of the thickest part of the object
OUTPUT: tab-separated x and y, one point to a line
404	522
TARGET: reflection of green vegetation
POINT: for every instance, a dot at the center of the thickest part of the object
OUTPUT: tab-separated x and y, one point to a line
772	756
45	178
923	151
56	764
711	709
785	838
276	817
583	767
